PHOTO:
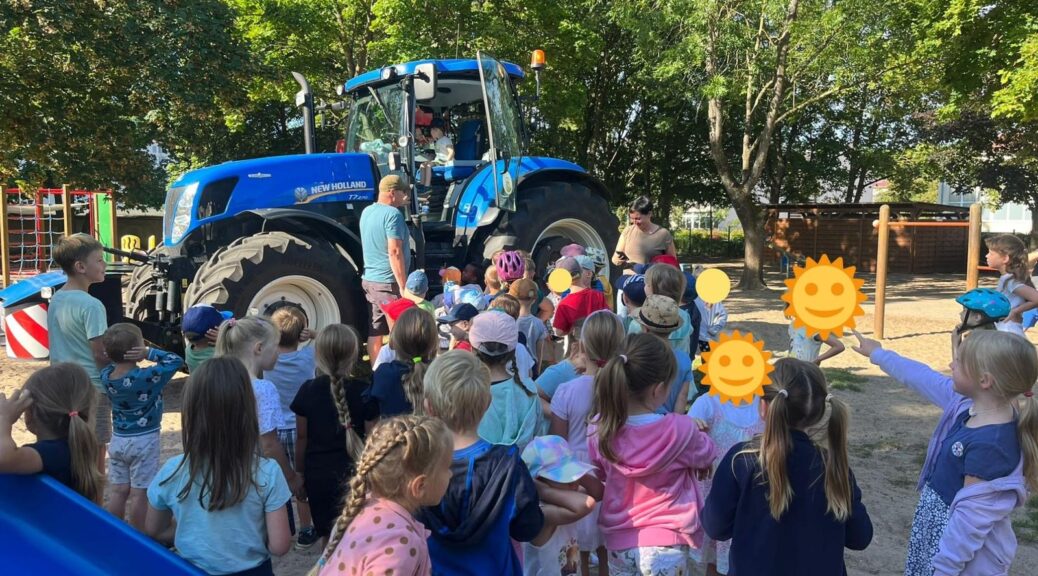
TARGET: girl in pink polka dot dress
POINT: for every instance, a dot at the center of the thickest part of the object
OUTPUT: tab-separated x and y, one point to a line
406	464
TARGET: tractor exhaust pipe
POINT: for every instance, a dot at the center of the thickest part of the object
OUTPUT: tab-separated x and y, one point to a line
305	100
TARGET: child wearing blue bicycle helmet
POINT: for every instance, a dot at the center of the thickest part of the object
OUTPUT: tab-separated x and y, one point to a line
982	308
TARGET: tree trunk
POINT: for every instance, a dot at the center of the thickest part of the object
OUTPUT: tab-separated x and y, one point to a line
753	243
1034	227
755	151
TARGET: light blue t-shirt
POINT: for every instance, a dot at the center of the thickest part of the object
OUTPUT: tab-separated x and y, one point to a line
515	416
288	375
535	331
556	375
229	540
74	318
379	223
684	374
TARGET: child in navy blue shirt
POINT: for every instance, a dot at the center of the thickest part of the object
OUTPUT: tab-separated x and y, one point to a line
491	499
801	516
396	386
136	396
58	403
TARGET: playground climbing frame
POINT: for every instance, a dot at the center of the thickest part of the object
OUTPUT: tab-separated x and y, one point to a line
31	222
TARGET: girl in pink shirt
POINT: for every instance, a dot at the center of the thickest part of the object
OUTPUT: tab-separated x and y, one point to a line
649	514
406	464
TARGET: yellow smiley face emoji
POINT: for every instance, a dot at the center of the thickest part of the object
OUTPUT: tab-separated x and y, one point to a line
824	297
736	368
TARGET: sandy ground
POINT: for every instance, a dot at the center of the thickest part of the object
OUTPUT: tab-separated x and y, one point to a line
889	431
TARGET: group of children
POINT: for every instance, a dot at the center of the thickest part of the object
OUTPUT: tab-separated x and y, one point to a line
508	429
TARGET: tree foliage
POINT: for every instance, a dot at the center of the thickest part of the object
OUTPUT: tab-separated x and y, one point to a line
725	102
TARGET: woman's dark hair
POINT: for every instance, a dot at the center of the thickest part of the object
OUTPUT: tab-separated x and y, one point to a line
642	205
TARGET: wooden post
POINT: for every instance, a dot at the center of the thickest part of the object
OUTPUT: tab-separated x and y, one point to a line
881	269
66	209
973	247
5	242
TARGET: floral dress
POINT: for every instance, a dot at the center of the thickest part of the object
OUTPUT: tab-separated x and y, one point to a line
729	425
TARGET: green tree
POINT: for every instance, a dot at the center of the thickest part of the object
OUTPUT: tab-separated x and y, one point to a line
86	87
758	66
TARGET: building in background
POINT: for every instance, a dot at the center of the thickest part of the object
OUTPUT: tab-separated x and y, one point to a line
1010	218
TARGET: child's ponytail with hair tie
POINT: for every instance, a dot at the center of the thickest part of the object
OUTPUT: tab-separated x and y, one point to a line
785	393
1028	394
73	414
623	358
600	363
417	360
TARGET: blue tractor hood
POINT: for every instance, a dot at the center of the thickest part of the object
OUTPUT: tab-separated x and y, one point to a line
220	192
30	288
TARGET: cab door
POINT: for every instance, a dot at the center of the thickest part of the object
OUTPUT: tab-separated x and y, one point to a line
504	129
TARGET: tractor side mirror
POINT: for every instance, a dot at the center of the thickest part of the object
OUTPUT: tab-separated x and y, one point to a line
425	82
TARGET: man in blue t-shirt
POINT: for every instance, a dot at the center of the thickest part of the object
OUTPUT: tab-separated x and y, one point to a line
384	237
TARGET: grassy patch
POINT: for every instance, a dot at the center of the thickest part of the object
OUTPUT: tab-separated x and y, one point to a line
1026	524
844	379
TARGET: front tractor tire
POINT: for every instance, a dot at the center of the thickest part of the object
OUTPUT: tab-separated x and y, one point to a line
550	215
254	272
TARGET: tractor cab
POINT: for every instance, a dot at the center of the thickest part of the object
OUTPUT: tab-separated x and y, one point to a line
475	102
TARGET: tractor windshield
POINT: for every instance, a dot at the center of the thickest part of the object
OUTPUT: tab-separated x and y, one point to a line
374	122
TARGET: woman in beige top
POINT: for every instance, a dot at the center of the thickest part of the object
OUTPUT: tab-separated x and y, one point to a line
641	240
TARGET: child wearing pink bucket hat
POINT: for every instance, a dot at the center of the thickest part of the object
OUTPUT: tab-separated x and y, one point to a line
515	415
553	464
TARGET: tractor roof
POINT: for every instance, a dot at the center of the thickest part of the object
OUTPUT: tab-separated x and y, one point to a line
459	67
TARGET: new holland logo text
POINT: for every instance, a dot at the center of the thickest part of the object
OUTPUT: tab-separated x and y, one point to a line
319	190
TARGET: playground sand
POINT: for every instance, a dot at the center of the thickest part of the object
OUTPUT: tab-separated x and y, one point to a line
890	426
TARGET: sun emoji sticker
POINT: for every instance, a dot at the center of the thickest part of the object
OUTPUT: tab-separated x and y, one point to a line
824	297
736	368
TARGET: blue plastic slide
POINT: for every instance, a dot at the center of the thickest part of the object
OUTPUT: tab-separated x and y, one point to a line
46	528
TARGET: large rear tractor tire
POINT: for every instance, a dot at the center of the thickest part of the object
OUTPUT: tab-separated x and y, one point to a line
139	298
551	215
254	272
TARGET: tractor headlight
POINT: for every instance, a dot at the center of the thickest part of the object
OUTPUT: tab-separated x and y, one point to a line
182	212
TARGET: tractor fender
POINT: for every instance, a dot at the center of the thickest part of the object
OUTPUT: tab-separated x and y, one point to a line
476	198
306	223
492	217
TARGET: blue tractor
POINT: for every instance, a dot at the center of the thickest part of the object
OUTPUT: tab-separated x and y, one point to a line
250	235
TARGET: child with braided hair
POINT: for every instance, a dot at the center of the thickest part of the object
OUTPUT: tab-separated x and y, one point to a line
406	464
331	423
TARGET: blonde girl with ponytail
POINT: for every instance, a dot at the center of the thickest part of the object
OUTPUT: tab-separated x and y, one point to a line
406	464
1008	255
649	515
254	341
788	505
396	386
58	403
331	424
983	455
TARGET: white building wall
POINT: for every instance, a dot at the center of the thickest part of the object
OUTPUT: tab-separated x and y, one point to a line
1009	218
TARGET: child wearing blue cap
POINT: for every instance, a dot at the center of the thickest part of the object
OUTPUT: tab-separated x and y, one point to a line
416	288
199	327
